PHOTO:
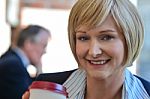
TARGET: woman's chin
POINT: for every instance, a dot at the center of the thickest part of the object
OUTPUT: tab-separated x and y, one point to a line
101	75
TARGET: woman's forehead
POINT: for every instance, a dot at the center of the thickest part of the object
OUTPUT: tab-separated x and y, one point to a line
109	22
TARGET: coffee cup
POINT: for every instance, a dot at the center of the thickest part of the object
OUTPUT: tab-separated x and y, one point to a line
47	90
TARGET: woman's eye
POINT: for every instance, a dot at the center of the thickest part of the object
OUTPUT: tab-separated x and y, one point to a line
82	38
107	37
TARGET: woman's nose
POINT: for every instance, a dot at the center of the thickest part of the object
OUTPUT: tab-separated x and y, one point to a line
95	50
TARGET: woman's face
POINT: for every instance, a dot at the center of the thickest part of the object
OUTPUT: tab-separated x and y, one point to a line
100	50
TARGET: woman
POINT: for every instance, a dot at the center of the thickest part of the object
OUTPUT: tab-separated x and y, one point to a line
105	36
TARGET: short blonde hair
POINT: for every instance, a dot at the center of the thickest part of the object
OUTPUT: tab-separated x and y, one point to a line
93	12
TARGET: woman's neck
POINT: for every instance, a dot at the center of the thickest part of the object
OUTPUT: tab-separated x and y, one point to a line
109	88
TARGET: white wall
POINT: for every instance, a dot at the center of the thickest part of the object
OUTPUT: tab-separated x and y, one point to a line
58	56
4	29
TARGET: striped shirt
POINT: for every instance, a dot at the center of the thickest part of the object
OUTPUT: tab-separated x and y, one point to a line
132	87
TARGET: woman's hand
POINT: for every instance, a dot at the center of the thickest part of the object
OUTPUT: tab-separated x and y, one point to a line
26	95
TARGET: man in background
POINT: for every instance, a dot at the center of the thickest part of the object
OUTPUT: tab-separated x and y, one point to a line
31	45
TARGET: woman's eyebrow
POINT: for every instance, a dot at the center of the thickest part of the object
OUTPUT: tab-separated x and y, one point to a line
106	31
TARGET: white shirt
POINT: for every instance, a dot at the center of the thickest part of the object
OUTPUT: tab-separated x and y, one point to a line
23	56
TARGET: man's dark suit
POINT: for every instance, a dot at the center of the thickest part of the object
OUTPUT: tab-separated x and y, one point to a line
14	78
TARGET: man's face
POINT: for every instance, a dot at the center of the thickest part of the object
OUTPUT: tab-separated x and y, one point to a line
36	49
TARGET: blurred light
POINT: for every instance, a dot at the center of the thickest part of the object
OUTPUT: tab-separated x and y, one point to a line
134	2
13	12
4	28
31	70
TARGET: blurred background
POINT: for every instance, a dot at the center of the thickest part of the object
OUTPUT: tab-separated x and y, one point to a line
53	14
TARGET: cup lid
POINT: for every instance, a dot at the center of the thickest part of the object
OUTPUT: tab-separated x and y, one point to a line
51	86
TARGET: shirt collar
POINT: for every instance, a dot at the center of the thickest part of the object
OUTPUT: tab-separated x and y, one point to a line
133	87
22	55
75	84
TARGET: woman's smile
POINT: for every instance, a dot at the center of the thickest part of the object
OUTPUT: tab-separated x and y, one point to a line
98	62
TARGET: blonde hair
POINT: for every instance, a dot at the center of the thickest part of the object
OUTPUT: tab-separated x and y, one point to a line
93	12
